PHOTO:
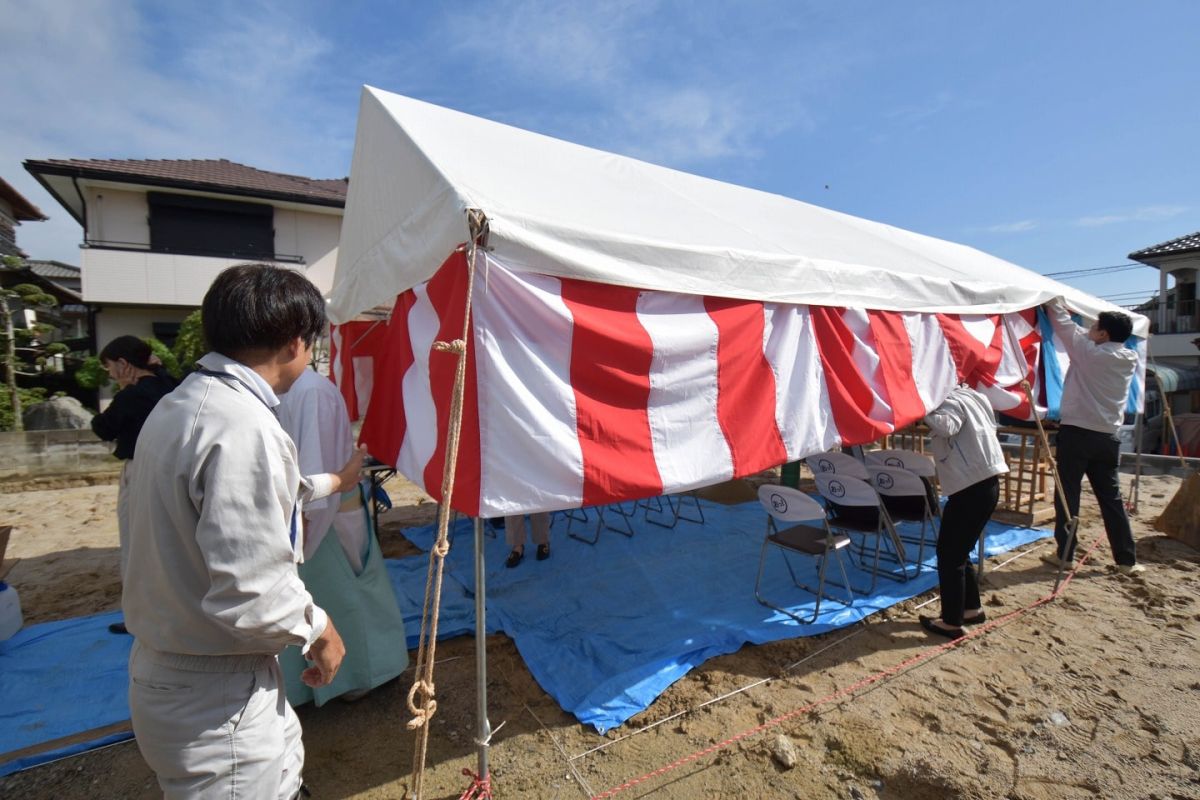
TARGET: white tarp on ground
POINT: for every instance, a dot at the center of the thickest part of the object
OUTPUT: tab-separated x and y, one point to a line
560	209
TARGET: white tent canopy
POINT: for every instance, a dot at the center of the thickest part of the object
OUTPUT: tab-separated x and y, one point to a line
565	210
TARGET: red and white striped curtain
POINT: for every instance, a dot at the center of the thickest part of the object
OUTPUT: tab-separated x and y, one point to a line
581	393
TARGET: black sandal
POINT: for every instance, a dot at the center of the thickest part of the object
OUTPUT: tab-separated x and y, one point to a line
978	619
543	552
950	633
514	558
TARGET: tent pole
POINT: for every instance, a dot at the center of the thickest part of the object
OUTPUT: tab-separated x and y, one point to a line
483	741
1137	463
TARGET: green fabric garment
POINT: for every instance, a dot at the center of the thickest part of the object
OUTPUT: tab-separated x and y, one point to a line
364	611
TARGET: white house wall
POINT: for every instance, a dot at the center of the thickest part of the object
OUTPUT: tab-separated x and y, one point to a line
169	279
117	217
301	233
120	218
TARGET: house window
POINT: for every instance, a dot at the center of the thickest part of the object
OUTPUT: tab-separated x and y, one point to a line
210	227
165	332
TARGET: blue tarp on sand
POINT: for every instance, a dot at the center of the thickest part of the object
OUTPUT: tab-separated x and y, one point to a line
61	679
604	628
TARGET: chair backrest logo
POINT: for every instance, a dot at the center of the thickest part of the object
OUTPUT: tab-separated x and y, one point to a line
894	461
779	503
884	481
837	489
826	465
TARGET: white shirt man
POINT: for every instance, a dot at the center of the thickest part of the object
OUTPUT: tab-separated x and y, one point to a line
211	592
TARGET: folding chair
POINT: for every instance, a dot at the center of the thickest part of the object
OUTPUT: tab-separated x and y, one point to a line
835	463
920	464
906	498
786	504
855	507
581	515
655	511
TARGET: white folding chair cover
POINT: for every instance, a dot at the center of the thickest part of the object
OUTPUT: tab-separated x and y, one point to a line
789	505
914	462
837	464
896	482
846	490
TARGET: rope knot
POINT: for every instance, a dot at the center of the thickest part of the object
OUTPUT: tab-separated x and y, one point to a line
457	346
441	548
421	716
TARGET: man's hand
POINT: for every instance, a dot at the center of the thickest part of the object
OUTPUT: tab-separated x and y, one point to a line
348	475
326	655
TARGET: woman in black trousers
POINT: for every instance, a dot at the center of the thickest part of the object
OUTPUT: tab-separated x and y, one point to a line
969	461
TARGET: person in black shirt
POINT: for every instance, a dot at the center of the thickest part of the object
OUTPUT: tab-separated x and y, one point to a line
142	382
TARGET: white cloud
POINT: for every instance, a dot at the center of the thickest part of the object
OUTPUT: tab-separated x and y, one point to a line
668	85
916	114
557	43
1143	214
1012	227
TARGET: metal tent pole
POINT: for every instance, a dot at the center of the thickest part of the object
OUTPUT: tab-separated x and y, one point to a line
1137	464
483	740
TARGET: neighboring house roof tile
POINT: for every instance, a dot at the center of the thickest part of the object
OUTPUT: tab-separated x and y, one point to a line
208	174
1184	244
52	269
23	210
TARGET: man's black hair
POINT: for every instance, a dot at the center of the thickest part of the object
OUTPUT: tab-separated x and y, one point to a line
1118	326
258	306
130	348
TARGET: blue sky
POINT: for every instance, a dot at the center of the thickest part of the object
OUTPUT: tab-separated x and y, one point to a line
1058	135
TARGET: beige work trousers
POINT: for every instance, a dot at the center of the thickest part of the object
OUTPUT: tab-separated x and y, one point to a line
209	735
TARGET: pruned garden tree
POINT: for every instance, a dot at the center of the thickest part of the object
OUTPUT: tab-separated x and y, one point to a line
31	340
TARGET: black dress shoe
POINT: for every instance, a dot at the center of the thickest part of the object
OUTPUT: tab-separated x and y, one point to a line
514	558
928	623
543	552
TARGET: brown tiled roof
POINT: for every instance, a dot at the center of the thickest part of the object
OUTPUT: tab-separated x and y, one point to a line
52	269
218	175
1184	244
23	210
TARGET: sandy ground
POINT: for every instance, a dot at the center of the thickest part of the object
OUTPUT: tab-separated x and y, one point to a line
1093	695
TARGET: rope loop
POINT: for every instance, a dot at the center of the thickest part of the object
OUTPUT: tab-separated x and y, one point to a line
441	548
421	716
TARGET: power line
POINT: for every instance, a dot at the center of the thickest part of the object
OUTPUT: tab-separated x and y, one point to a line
1075	273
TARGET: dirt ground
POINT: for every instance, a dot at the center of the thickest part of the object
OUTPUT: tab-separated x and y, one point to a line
1093	695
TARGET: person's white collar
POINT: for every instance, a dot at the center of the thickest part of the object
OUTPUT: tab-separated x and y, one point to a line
215	362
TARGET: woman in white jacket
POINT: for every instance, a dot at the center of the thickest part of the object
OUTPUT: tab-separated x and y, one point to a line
969	459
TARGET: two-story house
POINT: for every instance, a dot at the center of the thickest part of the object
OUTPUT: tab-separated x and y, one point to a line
1173	313
1175	320
156	232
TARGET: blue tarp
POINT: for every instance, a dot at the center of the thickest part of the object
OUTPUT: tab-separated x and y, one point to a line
605	629
59	679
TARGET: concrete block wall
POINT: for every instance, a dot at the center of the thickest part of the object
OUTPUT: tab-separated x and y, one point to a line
35	454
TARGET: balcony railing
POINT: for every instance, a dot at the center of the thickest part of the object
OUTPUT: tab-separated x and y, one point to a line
141	247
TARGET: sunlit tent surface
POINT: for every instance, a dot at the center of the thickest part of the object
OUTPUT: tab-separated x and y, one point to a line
637	330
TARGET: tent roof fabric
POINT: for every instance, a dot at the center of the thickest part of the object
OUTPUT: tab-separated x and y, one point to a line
561	209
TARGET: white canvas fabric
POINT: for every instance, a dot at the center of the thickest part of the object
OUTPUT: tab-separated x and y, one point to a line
557	208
